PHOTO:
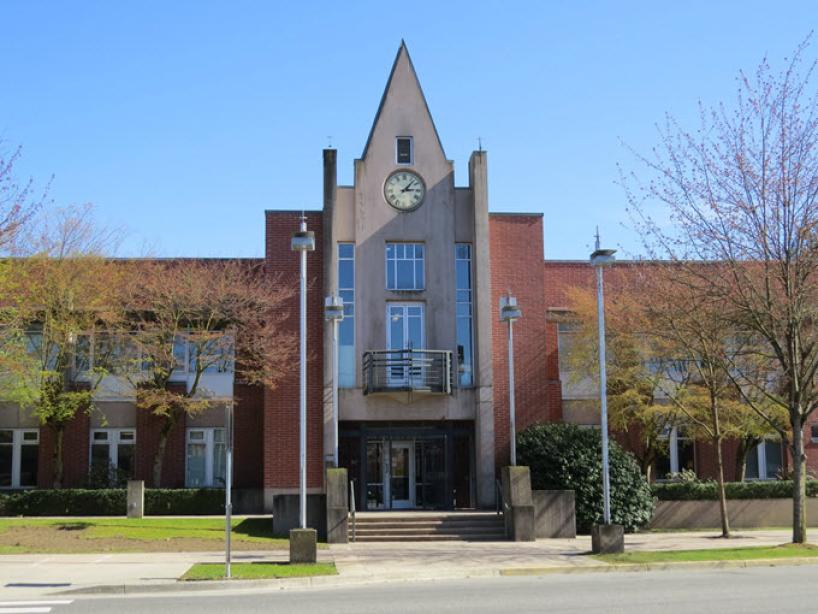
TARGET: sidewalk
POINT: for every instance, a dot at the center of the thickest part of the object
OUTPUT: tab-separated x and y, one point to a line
30	575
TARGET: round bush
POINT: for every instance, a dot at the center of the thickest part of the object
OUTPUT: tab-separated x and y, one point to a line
567	457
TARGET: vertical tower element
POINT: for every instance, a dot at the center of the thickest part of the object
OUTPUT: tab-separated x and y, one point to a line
484	376
330	289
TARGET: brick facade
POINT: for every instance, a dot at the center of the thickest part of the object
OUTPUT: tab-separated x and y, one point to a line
281	435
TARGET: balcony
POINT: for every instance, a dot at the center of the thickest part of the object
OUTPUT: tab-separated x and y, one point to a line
408	371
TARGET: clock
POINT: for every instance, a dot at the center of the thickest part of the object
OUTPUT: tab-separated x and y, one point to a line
404	190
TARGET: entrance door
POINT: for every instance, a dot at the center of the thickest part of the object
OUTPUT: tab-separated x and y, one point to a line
402	475
404	331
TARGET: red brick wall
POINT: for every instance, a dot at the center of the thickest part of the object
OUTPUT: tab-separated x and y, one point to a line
248	437
75	453
281	423
516	244
147	442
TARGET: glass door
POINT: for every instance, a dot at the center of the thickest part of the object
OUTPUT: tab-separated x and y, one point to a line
402	475
375	474
404	322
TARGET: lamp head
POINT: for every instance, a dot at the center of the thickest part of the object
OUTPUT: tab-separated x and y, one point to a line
509	311
333	308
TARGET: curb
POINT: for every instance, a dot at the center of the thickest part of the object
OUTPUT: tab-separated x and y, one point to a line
669	566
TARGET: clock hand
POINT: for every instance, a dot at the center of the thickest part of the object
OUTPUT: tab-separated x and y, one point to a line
406	189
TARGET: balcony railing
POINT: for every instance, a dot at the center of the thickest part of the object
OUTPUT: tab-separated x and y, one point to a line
428	371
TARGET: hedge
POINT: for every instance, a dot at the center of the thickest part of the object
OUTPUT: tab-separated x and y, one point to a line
111	502
567	457
708	490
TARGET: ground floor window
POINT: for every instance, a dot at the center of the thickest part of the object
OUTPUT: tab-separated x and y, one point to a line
765	460
680	455
112	456
206	457
19	452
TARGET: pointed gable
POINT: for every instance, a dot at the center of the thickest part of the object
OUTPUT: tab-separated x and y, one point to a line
403	110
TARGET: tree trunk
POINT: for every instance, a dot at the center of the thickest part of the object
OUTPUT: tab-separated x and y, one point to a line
799	485
57	463
159	458
725	520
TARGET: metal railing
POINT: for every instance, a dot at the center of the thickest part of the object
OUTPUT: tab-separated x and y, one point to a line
352	506
408	370
498	497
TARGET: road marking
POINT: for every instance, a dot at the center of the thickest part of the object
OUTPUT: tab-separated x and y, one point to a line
25	610
6	604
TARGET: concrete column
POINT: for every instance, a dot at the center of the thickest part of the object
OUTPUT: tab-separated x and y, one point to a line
330	287
484	378
136	498
337	506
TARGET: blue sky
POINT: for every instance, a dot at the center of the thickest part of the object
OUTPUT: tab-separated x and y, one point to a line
184	121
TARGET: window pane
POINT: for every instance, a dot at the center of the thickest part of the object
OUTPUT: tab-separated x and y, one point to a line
390	275
404	151
196	435
419	281
28	465
814	432
463	279
180	351
31	437
751	473
662	466
6	436
101	436
126	436
196	465
6	452
773	458
218	435
100	458
82	353
124	460
406	277
686	459
219	464
346	274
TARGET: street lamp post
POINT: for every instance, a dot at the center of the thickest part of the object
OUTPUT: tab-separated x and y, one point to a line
509	312
599	259
228	486
334	313
303	241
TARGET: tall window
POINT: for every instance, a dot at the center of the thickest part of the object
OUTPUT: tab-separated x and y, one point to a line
403	150
764	461
346	329
680	454
112	455
19	451
465	345
206	458
404	266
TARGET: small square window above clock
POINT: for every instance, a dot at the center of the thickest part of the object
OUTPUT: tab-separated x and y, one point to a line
403	149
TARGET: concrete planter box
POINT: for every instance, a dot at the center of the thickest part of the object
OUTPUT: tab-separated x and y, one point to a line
743	514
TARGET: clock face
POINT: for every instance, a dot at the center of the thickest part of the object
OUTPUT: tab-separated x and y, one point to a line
404	190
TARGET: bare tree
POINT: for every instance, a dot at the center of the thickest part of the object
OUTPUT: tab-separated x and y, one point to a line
17	200
740	194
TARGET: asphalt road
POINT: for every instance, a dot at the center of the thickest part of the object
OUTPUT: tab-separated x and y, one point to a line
759	589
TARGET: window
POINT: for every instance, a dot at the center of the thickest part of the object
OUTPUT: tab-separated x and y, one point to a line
814	433
680	454
404	266
19	452
346	329
764	461
465	346
206	458
112	456
403	150
215	348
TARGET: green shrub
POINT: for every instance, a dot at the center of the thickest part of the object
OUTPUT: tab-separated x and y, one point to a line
708	490
111	502
567	457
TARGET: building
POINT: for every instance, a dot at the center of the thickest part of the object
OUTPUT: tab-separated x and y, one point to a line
420	264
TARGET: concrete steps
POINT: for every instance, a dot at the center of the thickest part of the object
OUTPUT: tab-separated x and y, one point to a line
428	526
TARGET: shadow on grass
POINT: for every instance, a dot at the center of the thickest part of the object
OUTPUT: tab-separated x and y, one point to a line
255	527
73	526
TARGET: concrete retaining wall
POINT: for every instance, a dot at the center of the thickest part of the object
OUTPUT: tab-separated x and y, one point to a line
554	513
743	514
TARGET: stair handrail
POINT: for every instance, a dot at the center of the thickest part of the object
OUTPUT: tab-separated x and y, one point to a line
352	506
498	496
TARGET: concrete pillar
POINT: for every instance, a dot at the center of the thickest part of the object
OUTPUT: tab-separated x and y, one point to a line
484	443
337	506
518	504
303	546
330	287
136	498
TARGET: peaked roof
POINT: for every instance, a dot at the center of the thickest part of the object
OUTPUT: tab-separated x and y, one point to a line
402	50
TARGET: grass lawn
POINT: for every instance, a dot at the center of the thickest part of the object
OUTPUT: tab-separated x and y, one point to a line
20	535
783	551
257	571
